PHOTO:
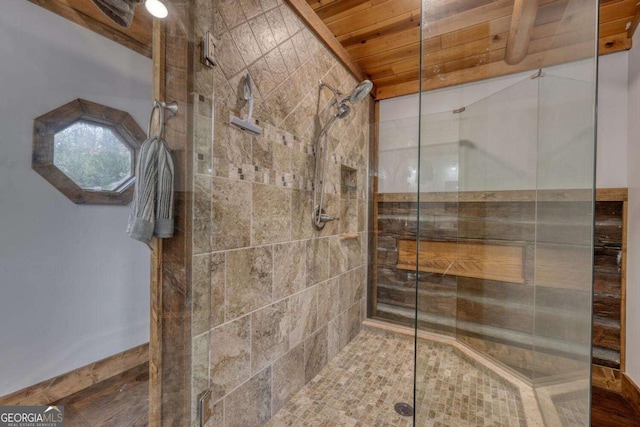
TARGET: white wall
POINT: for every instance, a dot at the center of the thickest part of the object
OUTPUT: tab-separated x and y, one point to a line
611	168
633	233
399	137
73	287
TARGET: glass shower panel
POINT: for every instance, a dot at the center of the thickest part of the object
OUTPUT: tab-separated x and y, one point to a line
521	210
437	213
396	219
564	247
498	140
496	230
398	149
398	223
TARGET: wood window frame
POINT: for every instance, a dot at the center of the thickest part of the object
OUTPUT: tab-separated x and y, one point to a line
48	125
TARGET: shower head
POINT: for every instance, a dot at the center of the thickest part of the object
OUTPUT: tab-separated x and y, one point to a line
361	91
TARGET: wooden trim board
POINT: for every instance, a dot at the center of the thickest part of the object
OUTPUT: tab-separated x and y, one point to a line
606	378
156	324
623	289
602	195
469	259
631	392
372	285
64	385
309	16
170	377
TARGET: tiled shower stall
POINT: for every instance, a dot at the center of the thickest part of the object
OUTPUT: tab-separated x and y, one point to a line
273	299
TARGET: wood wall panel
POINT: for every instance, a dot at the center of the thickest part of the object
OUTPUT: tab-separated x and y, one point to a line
469	259
504	309
607	378
170	346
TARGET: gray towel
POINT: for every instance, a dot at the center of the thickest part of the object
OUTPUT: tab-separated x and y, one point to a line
153	194
119	11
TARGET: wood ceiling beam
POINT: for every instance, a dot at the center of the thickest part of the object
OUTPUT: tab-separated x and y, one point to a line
522	20
308	15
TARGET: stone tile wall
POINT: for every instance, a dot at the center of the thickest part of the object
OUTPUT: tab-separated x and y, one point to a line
273	299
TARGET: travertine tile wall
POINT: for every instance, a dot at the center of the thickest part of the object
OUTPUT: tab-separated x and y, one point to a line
273	299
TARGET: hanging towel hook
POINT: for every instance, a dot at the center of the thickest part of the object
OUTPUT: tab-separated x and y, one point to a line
161	106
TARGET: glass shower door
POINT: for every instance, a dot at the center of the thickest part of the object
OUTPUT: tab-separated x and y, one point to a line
564	247
515	243
475	378
521	213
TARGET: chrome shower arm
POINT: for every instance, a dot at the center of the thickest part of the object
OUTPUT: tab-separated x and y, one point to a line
335	91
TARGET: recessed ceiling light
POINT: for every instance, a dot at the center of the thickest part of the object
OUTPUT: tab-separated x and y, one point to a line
156	8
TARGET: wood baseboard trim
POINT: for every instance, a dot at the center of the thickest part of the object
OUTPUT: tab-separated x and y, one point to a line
631	392
606	378
64	385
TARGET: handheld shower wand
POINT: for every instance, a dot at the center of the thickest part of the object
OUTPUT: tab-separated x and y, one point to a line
319	217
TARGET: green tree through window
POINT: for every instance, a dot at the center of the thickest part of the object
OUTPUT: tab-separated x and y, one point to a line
93	156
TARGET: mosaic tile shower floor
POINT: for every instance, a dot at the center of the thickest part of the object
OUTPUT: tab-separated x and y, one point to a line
360	386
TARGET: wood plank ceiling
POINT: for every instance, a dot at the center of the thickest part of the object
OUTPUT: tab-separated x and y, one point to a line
465	40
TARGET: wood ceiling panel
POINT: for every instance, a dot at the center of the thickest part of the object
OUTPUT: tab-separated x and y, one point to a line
342	9
614	27
465	39
500	68
381	29
380	12
619	10
445	8
498	41
383	44
409	51
476	32
551	12
473	61
397	68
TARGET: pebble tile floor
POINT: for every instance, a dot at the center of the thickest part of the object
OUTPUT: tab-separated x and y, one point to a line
360	386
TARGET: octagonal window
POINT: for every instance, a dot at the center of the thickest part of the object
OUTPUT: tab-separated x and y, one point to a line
88	152
93	156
